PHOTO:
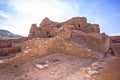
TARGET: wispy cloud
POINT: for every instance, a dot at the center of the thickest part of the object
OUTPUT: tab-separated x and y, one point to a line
33	11
18	15
5	15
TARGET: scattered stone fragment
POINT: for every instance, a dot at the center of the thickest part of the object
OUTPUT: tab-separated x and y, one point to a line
54	60
92	72
41	65
96	65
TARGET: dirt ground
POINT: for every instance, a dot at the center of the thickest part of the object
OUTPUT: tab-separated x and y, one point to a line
111	70
66	68
55	71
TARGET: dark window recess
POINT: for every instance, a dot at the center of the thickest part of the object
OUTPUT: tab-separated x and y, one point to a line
48	35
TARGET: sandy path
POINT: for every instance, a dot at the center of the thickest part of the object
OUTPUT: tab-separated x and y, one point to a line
67	66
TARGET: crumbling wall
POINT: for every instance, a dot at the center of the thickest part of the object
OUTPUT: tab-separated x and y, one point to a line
48	28
39	47
73	37
115	45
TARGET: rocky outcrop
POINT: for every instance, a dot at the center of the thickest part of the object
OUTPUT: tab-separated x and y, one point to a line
11	46
8	47
39	47
80	23
48	28
10	50
115	45
5	43
96	42
73	37
34	31
115	39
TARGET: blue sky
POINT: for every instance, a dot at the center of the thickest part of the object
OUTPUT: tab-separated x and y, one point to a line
18	15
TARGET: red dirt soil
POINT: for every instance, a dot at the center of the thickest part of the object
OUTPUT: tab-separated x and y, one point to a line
111	70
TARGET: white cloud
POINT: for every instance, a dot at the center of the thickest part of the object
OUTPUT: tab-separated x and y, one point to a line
33	11
3	14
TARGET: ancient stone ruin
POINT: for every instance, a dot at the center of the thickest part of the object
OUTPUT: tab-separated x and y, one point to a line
115	45
73	37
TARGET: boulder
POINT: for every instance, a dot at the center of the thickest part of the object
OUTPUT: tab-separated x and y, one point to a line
115	45
96	42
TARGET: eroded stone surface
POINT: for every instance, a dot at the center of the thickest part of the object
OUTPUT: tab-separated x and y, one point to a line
115	45
73	37
39	47
48	28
